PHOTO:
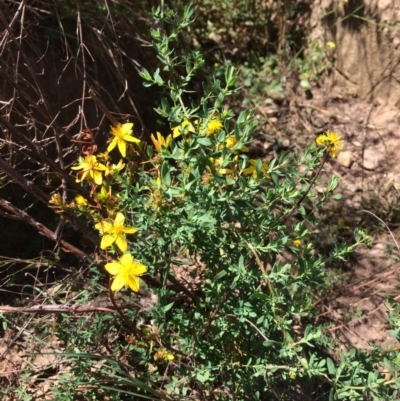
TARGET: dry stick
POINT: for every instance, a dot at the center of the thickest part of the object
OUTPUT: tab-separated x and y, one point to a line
30	68
43	157
32	103
57	309
207	325
30	187
42	229
101	106
181	287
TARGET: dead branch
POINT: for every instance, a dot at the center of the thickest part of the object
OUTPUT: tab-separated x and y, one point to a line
43	230
59	309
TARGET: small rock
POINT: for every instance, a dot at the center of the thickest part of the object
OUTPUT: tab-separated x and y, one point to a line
345	158
391	181
372	159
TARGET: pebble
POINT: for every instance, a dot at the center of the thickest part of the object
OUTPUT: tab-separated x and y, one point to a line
345	158
372	159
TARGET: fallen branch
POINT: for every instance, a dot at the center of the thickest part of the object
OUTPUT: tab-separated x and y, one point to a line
42	229
59	309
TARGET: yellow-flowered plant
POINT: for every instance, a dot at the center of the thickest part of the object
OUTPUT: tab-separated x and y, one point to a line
252	170
332	140
91	169
214	126
163	354
183	129
113	169
215	229
231	141
114	232
122	135
81	201
56	200
160	142
126	272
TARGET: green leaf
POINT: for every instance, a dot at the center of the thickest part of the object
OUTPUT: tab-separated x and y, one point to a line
271	343
157	79
241	262
203	377
150	151
165	105
204	141
166	308
230	75
145	74
221	274
219	100
165	173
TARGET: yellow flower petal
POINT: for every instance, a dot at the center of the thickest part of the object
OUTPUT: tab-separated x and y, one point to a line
126	128
103	226
130	138
113	144
119	219
113	268
184	128
121	243
130	230
118	282
122	147
97	177
122	134
107	240
132	282
126	259
138	269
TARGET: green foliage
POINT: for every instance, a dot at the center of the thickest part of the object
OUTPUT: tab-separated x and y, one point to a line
238	326
227	241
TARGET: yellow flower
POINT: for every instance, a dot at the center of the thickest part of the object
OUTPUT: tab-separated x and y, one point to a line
103	156
218	162
126	273
91	169
122	135
184	128
214	126
332	140
330	45
161	142
297	243
252	169
114	169
114	232
231	141
81	201
163	354
56	199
